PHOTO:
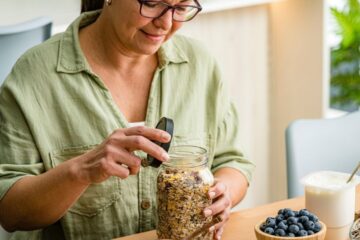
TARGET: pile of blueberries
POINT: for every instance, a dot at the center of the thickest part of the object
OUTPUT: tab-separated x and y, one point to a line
289	223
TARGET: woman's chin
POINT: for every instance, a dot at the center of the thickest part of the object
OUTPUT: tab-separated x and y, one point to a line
150	50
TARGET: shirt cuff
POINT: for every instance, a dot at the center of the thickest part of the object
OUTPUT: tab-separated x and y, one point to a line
6	184
245	168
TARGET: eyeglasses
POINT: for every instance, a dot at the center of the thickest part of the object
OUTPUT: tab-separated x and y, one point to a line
182	12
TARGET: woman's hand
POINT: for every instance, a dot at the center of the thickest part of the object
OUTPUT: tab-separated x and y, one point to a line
221	206
115	157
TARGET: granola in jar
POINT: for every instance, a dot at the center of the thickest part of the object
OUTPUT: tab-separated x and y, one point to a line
355	230
183	183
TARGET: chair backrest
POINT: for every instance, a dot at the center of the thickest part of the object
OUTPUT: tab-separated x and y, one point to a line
322	144
16	39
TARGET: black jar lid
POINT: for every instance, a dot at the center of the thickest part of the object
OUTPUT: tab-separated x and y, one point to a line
167	125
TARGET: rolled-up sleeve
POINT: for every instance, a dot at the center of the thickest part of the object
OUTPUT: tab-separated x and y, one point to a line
228	152
19	156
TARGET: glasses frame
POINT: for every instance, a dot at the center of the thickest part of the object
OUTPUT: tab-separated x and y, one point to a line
172	7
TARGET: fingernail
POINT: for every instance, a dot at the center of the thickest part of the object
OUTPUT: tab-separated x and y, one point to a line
211	229
165	136
211	195
207	212
165	156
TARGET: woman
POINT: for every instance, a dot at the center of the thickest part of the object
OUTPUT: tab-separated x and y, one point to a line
71	112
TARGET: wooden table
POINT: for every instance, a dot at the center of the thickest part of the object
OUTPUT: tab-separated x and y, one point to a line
241	223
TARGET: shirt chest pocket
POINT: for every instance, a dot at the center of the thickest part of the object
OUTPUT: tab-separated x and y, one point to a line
97	197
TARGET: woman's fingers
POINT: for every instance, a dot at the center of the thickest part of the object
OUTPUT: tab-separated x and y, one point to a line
115	169
217	207
217	190
224	218
150	133
219	233
114	157
112	161
141	143
221	199
122	156
141	138
221	204
218	227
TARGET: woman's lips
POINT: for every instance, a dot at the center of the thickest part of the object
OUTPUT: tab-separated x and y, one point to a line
154	37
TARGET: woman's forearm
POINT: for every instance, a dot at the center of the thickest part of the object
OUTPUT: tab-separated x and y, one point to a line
235	181
37	201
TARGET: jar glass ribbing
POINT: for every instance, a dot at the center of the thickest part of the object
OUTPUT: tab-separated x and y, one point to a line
182	193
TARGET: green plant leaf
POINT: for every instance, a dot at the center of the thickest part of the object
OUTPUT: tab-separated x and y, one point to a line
345	58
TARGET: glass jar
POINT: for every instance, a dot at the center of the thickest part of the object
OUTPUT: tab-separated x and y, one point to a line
182	193
354	233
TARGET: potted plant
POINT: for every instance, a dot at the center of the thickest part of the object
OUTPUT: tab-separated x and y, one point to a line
345	58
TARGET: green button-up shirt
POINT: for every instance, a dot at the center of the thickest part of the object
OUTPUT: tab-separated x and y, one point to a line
54	107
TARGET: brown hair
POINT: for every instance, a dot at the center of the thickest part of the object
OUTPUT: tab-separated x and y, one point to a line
91	5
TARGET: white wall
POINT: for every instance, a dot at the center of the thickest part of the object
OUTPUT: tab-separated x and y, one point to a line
239	40
275	58
299	75
61	11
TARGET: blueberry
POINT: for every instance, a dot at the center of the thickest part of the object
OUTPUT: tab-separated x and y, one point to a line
303	219
313	218
302	233
263	226
281	211
292	220
309	225
282	225
292	223
270	222
286	210
289	214
279	218
280	232
300	226
304	212
310	232
284	221
293	228
269	230
317	227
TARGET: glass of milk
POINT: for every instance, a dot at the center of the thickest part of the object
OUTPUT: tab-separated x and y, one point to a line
329	197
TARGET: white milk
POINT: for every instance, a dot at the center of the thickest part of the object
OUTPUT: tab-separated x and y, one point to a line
329	197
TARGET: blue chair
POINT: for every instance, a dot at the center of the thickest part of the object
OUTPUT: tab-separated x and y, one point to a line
16	39
321	144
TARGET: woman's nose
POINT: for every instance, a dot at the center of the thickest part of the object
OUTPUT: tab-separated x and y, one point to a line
164	21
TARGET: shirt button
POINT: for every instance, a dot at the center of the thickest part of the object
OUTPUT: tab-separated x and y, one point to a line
145	204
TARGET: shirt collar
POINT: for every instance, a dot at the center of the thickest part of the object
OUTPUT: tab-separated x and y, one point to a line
72	60
169	52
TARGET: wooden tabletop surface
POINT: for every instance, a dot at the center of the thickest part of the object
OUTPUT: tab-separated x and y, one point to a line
241	223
